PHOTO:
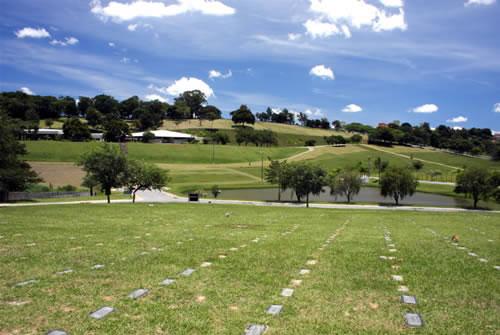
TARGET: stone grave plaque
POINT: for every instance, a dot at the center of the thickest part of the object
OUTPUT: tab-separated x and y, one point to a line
312	262
391	258
97	267
138	293
205	264
408	299
102	313
472	254
64	272
483	260
393	250
403	288
287	292
167	282
187	272
56	332
397	278
255	330
413	320
304	271
383	257
27	282
296	282
274	309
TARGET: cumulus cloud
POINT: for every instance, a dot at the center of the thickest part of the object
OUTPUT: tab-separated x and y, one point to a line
458	119
348	14
32	33
352	108
153	97
427	108
186	84
323	72
67	41
479	3
132	27
392	3
294	37
128	11
111	44
316	112
214	74
26	90
496	107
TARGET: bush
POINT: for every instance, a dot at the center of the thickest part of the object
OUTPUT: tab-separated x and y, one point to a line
66	188
356	138
310	143
148	137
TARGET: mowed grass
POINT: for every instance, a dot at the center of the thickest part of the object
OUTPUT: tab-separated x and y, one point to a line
56	151
349	290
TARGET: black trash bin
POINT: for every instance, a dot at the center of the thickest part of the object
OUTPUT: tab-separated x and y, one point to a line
193	197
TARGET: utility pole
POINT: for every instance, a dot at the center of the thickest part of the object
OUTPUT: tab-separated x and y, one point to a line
262	166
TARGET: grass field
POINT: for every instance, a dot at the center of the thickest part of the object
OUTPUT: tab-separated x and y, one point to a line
348	291
52	151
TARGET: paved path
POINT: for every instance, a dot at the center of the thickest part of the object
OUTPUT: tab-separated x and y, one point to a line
164	197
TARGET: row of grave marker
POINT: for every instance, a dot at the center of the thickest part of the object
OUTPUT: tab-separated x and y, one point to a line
412	320
462	247
139	293
275	309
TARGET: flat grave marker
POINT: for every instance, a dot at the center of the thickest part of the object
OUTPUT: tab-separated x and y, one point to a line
138	293
188	272
56	332
64	272
27	282
167	282
296	282
255	330
397	278
413	320
274	309
98	266
287	292
205	264
497	267
408	299
403	288
312	262
304	271
483	260
101	313
472	254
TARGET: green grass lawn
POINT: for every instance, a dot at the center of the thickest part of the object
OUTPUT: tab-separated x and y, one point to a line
56	151
349	290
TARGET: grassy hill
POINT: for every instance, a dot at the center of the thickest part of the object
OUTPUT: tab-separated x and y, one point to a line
62	151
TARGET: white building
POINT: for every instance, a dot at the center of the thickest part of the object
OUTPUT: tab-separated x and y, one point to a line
165	136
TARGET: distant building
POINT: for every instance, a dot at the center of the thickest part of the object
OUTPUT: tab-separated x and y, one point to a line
383	125
43	134
164	136
496	137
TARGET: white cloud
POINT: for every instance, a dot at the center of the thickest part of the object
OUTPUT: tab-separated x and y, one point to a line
330	14
294	37
67	41
392	3
186	84
316	112
427	108
323	72
129	11
479	3
125	60
26	90
352	108
458	119
111	44
496	107
213	74
457	128
132	27
32	33
153	97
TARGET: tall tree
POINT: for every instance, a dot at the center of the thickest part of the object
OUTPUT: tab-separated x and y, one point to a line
142	176
15	174
107	165
475	182
398	183
84	103
115	130
75	130
276	174
210	113
306	180
346	183
107	105
380	165
195	100
243	115
128	106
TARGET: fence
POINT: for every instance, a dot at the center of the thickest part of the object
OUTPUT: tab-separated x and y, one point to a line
18	196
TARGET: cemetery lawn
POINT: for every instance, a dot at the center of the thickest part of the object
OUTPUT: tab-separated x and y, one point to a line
348	291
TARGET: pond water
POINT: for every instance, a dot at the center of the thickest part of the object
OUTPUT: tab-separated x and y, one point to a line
367	195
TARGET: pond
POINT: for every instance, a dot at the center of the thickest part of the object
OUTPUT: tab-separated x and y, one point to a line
367	195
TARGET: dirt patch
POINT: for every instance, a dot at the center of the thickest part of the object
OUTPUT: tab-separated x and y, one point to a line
59	174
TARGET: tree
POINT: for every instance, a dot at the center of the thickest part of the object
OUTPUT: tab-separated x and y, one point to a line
380	165
142	176
475	182
335	139
356	138
93	117
128	106
15	174
89	182
107	105
219	137
245	135
337	125
179	111
115	130
148	137
398	183
75	130
417	165
306	180
243	115
147	119
84	103
107	165
215	191
276	174
66	106
194	100
346	183
210	113
49	123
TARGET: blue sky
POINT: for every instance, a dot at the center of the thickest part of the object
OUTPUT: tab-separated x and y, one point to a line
368	61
